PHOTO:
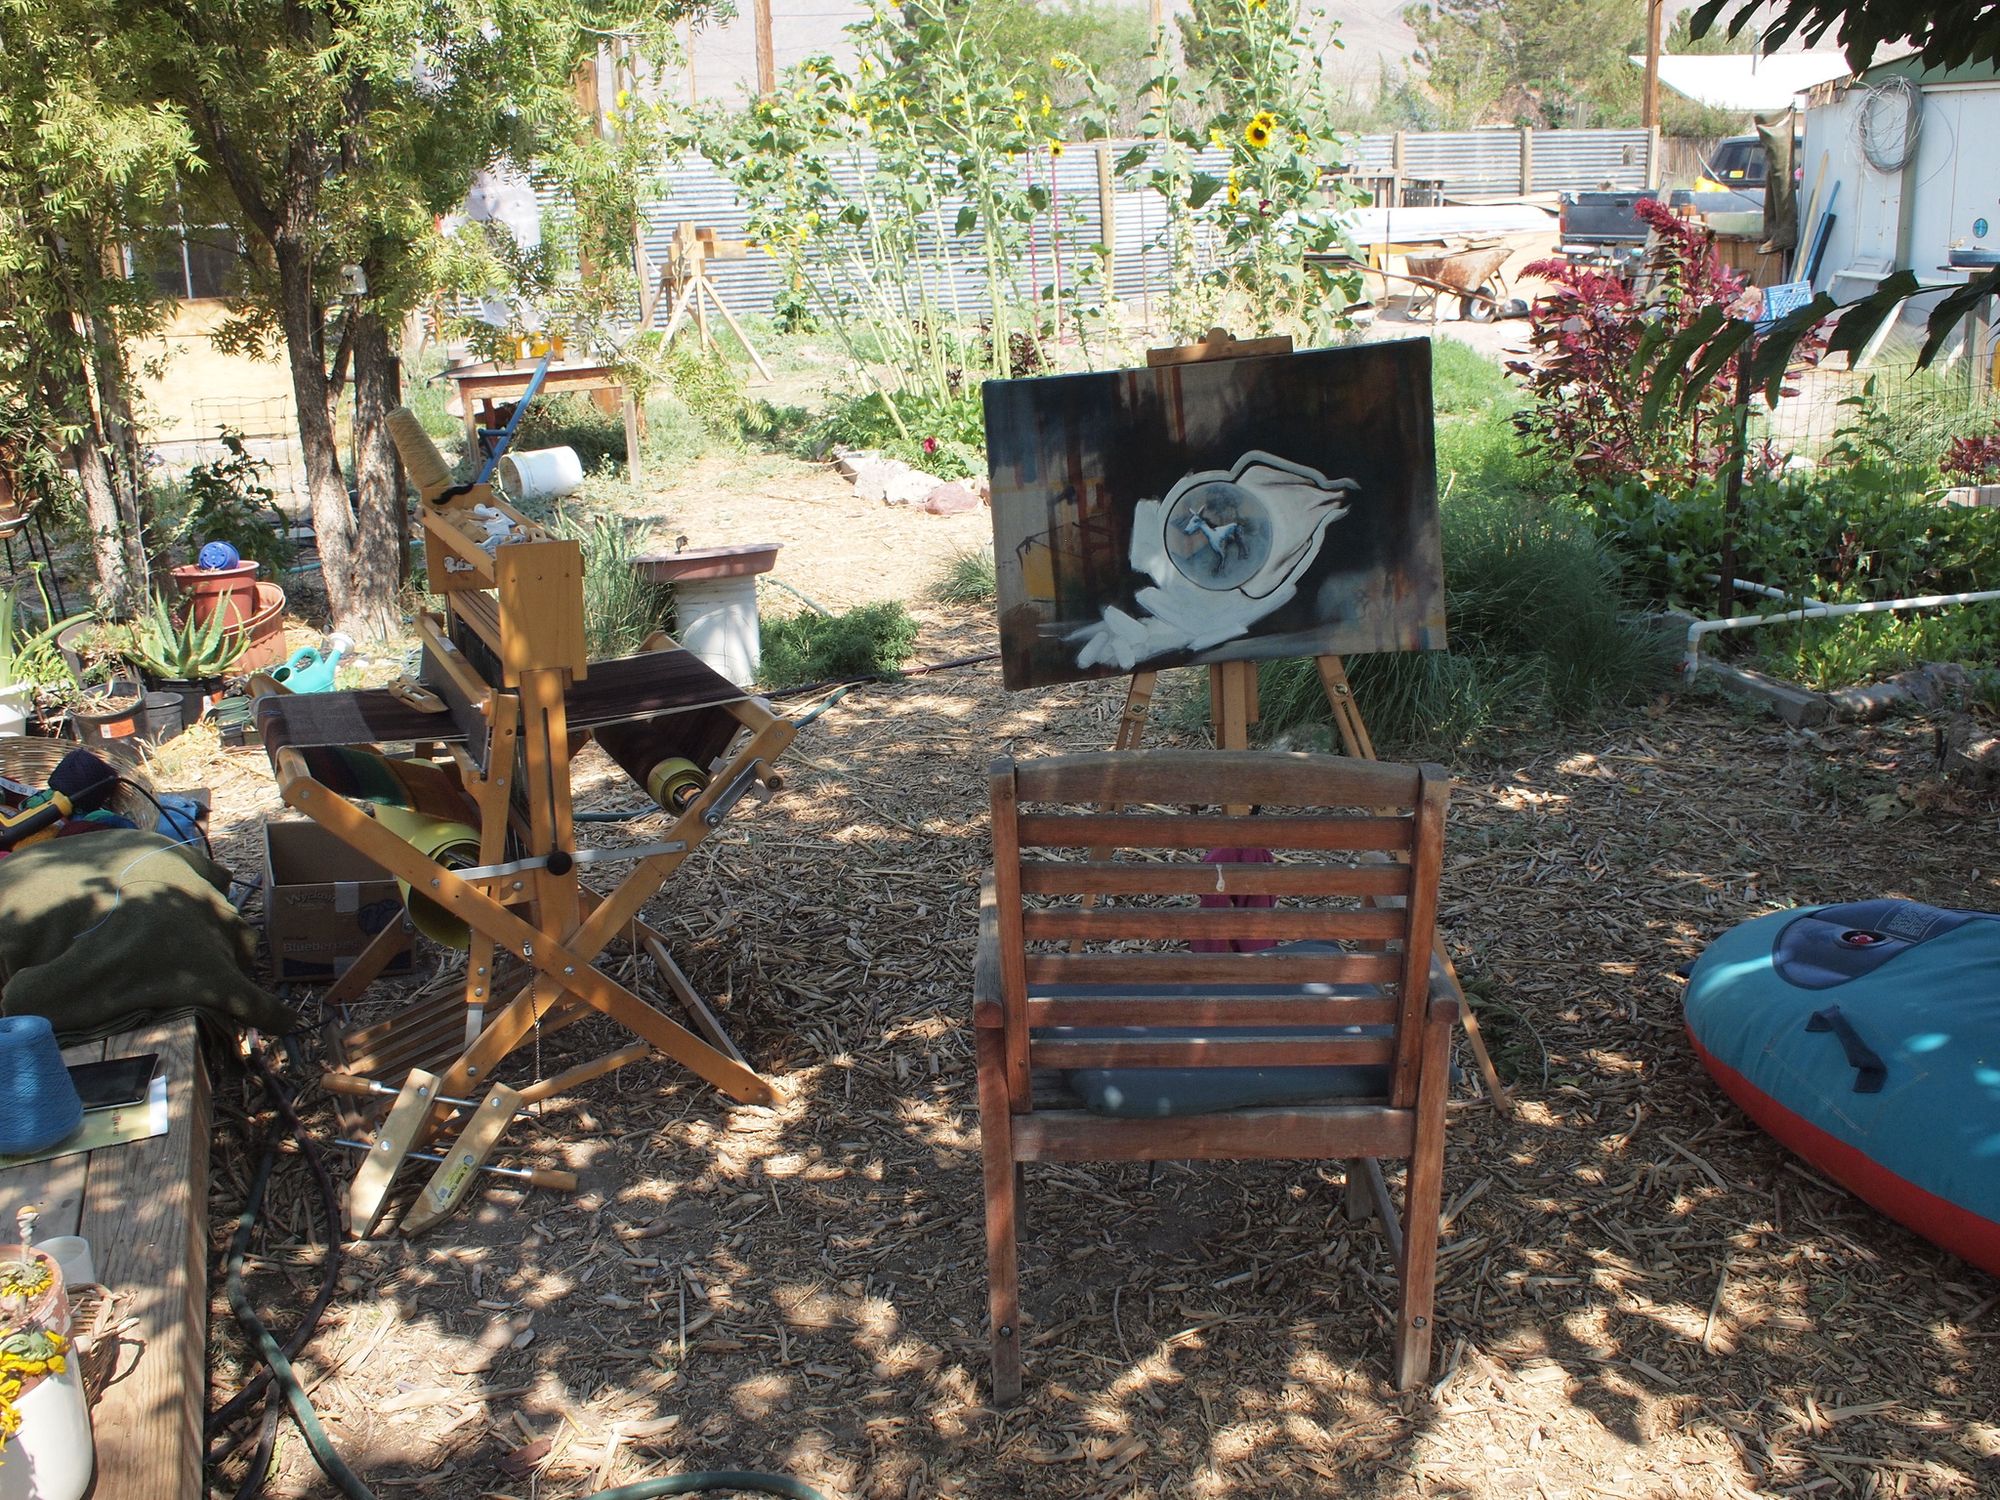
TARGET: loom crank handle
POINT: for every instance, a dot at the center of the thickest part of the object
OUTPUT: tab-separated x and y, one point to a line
421	459
541	1177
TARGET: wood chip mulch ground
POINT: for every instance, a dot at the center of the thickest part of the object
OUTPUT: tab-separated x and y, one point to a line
1640	1295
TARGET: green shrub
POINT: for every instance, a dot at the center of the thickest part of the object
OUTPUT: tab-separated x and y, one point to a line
574	421
1465	382
227	500
620	609
946	438
873	640
1540	633
1825	654
967	579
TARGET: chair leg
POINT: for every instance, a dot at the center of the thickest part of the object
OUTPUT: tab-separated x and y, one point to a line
1003	1208
1356	1199
1416	1267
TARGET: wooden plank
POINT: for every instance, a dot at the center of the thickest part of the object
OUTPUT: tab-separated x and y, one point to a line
54	1189
1426	863
145	1213
1217	1010
1218	1051
1214	968
1288	778
541	607
1172	831
1007	910
1197	924
1049	877
1241	1134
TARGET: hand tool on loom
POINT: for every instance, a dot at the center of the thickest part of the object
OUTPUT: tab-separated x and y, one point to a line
485	847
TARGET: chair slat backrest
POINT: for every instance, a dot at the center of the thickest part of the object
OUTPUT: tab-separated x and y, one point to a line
1100	866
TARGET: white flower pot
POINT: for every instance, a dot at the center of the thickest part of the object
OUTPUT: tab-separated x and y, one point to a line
16	699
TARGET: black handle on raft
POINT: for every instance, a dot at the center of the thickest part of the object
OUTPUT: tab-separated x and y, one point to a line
1870	1072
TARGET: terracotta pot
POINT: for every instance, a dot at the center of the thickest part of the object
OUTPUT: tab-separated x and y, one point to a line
229	592
266	630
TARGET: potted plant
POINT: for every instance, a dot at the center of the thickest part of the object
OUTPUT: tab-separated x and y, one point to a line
26	654
230	506
186	657
45	1440
107	706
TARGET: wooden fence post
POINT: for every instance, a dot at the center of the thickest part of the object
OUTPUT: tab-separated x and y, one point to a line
1396	170
1107	223
1527	160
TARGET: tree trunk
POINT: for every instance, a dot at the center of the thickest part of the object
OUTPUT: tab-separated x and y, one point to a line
378	553
354	610
111	538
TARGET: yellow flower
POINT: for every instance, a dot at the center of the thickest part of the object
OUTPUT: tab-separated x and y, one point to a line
1056	63
1301	139
1046	106
1020	120
1019	95
1217	138
1055	148
624	98
1234	191
1258	131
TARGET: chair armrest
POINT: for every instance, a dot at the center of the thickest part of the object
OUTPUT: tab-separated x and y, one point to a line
1442	1008
986	988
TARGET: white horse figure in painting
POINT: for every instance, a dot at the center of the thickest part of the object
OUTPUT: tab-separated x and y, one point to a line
1281	508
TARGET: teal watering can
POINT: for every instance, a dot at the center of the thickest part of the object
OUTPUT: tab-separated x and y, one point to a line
306	671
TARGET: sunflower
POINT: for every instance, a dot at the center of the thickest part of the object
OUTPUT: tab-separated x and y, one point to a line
1233	190
1217	139
1055	148
1258	131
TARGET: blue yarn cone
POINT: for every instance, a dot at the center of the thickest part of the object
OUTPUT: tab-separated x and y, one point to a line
39	1104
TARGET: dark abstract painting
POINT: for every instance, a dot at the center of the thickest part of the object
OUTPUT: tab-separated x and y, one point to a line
1220	511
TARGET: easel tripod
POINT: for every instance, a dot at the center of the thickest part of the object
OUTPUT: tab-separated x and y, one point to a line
1233	695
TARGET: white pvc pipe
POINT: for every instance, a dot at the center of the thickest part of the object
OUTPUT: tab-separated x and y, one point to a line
1744	585
1691	658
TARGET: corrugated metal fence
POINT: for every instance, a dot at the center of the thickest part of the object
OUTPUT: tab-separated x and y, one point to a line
1467	163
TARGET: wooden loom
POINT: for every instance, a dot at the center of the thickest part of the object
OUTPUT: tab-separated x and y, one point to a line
511	695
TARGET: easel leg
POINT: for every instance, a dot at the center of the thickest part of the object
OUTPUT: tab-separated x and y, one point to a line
1131	730
1354	741
741	337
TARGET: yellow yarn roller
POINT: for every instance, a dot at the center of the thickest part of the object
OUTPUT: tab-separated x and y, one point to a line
453	845
421	459
675	783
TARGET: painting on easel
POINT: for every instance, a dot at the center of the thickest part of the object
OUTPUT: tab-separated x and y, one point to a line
1225	510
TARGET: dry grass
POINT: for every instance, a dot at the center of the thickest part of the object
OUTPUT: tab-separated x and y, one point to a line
1641	1296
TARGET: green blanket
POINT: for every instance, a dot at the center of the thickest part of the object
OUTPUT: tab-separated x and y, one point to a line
104	931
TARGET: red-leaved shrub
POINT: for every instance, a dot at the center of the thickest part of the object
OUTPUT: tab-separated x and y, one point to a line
1587	336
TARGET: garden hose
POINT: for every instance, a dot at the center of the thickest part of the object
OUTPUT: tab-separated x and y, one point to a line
321	1447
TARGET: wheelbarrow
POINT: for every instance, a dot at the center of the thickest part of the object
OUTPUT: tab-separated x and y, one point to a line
1472	275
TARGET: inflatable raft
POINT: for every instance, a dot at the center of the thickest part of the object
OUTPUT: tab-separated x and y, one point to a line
1866	1038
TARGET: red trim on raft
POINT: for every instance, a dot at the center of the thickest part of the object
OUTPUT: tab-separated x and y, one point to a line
1939	1220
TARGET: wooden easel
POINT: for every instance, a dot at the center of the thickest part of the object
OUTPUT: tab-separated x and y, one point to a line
1232	693
685	282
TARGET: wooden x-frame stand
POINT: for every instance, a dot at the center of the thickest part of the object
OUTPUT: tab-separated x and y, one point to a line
1233	696
520	603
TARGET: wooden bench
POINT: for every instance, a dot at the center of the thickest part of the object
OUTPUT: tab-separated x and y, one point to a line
144	1209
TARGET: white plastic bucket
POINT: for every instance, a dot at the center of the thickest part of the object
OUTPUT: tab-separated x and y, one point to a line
541	473
716	619
16	698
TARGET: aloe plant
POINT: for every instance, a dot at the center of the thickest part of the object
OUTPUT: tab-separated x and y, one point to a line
188	651
20	645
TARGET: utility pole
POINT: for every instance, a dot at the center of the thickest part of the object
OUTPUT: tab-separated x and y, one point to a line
767	69
1649	115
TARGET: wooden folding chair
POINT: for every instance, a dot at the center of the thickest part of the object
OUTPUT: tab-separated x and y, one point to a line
1133	1045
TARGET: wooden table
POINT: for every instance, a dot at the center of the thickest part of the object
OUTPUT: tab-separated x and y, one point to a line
493	385
144	1209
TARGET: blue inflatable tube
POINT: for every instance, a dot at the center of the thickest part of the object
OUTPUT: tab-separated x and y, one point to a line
1866	1038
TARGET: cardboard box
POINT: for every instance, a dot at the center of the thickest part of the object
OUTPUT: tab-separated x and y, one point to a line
323	903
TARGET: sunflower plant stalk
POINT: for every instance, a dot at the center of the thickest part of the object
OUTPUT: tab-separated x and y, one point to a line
1238	140
901	198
